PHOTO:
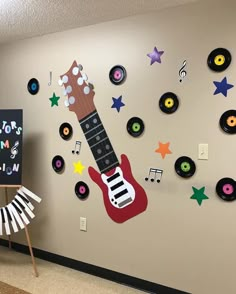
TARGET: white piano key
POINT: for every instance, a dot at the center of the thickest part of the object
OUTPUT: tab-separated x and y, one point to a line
16	215
13	222
30	194
6	224
28	203
22	214
30	213
0	225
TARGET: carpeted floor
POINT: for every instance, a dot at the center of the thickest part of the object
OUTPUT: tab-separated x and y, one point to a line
16	270
8	289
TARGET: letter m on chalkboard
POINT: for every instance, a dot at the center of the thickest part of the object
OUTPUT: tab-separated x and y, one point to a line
11	133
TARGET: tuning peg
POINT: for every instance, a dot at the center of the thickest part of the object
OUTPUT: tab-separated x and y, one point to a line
91	86
84	76
60	82
66	102
64	92
80	66
68	89
65	79
75	70
71	100
80	81
86	90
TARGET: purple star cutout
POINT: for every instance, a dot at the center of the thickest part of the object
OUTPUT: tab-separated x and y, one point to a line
117	103
155	55
222	87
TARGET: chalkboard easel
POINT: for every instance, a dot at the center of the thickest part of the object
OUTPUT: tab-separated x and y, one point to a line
11	134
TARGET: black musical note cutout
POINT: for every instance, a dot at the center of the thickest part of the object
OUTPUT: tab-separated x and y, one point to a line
77	147
50	79
182	72
155	174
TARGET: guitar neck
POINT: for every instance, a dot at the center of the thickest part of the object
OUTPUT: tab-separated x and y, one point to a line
99	142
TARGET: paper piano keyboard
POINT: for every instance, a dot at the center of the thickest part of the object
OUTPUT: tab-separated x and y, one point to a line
17	213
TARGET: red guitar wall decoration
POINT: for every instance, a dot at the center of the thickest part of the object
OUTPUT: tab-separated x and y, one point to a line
123	197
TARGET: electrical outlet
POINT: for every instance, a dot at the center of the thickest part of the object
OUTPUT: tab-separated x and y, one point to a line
203	151
83	224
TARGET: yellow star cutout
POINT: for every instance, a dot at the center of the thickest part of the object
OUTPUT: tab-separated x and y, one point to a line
78	167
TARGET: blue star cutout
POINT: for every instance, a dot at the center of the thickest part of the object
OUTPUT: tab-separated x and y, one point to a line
222	87
117	103
155	55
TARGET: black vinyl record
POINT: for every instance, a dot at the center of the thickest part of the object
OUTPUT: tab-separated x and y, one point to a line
228	121
226	189
219	59
185	167
169	103
135	126
117	74
58	163
65	131
81	190
33	86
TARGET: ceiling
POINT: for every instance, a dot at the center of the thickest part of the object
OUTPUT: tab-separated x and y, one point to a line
28	18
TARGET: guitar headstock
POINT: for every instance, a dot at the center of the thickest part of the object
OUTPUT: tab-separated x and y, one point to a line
80	93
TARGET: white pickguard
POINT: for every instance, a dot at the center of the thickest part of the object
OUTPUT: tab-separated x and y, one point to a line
120	192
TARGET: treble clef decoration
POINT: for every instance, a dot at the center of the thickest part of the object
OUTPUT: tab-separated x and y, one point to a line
14	150
182	71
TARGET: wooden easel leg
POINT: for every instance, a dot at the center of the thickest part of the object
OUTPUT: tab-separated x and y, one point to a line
31	252
6	199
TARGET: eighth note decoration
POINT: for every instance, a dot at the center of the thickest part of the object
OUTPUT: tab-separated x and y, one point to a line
155	174
77	147
182	71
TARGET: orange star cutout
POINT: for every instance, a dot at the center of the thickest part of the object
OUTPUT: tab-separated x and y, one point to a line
163	149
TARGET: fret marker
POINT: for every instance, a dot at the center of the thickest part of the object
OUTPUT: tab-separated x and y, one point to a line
107	161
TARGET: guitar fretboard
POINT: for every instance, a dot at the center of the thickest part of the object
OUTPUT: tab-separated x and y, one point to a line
99	142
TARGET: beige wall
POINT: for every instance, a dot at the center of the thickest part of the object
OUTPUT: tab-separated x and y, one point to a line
175	242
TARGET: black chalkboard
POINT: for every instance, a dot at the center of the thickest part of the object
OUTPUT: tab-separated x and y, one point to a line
11	129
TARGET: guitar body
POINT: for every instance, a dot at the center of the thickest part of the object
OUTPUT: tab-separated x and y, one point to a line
137	203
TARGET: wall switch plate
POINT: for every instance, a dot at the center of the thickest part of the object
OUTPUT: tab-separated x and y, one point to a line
83	224
203	151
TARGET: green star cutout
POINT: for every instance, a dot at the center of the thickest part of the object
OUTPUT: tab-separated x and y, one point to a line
199	195
54	100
